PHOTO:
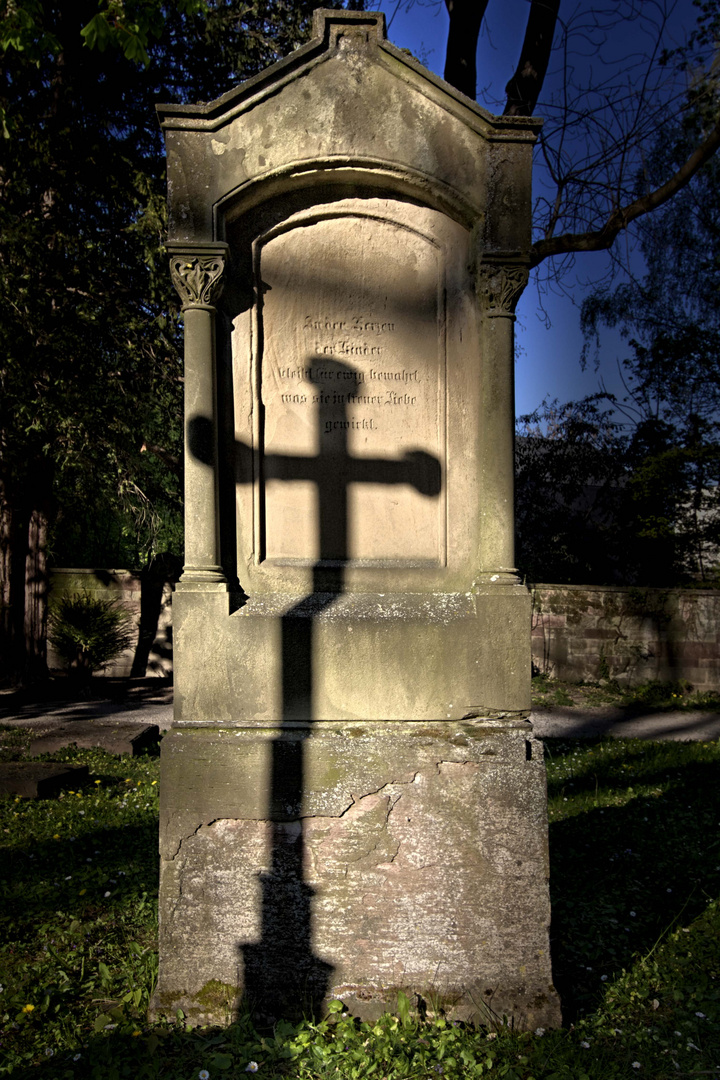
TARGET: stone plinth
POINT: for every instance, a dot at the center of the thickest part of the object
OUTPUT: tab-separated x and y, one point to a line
412	857
352	801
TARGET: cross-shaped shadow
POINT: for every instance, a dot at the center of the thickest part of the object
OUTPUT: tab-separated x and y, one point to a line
282	974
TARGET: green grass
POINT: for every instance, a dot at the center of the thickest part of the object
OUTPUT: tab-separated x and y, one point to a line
648	697
635	874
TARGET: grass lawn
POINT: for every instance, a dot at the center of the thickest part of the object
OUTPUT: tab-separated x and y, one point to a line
648	697
635	876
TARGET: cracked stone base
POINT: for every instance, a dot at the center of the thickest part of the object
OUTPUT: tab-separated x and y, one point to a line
355	860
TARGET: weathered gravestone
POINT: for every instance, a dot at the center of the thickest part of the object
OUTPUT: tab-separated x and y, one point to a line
352	799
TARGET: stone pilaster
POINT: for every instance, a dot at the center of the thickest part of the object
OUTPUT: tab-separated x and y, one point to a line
197	275
499	285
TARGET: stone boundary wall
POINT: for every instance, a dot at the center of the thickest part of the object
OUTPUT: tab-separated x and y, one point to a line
148	597
578	632
629	634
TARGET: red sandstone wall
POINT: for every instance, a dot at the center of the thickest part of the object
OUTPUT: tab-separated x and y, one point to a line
629	634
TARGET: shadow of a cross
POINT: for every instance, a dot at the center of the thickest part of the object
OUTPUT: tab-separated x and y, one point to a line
283	977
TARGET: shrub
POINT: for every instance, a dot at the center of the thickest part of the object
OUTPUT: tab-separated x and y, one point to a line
89	632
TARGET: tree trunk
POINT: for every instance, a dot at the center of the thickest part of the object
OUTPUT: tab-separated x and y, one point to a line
36	596
7	645
466	18
524	88
24	519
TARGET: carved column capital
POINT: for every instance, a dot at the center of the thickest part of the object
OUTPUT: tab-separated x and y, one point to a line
197	273
499	287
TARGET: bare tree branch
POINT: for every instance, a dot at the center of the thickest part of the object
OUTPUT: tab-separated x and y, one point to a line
602	239
171	460
621	73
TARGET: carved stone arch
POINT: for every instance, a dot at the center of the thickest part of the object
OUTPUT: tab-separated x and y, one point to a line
300	182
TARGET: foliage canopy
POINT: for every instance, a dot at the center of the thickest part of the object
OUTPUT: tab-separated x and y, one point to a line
90	365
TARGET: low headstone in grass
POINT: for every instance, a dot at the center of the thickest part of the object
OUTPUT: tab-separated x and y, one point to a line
115	738
40	779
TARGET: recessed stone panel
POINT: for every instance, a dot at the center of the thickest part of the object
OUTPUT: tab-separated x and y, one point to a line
351	376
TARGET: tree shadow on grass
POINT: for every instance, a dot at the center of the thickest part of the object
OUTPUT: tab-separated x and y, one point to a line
622	876
118	857
605	863
68	907
46	878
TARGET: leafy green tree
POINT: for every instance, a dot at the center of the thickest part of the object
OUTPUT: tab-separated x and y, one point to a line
671	319
90	368
76	368
600	502
570	472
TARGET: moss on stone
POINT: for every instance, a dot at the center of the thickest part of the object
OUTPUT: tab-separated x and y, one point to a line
217	995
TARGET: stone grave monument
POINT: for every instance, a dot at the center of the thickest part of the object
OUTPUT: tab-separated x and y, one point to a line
352	800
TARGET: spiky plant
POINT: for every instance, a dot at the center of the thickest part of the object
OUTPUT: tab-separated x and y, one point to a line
89	632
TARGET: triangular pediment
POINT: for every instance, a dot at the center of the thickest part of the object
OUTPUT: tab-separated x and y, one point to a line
347	109
341	39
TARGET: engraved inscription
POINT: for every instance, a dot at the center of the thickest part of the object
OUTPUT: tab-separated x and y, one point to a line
322	375
352	379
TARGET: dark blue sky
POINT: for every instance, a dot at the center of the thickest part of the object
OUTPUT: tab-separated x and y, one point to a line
548	357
